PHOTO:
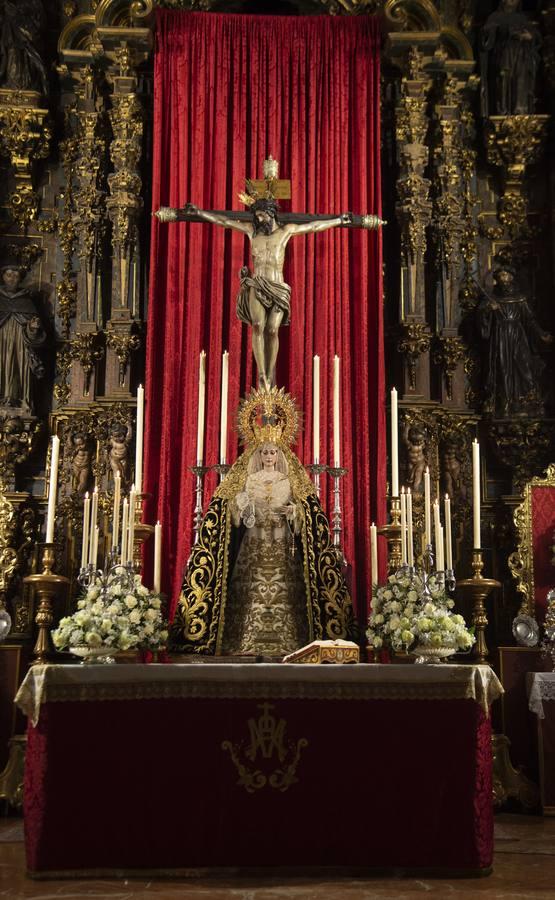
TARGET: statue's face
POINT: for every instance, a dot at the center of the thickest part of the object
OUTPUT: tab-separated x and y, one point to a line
505	279
269	454
264	220
510	5
11	278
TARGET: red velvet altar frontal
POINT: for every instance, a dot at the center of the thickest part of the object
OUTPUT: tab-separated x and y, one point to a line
174	783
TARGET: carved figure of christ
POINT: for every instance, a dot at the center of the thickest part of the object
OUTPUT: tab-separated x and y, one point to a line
264	299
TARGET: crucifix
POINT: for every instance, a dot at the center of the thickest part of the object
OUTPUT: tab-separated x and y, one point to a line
264	298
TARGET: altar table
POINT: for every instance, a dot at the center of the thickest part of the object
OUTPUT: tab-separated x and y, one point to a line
171	767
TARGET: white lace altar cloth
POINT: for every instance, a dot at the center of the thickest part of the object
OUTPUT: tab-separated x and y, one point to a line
57	683
541	686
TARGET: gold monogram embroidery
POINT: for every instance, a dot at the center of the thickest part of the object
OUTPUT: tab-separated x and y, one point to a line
267	739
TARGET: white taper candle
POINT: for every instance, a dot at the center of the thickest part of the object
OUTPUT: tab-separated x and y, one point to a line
223	408
94	551
316	409
427	508
201	404
139	438
94	523
157	557
410	538
374	553
124	523
131	524
440	551
52	489
403	528
115	513
448	535
86	524
394	444
336	419
438	539
476	494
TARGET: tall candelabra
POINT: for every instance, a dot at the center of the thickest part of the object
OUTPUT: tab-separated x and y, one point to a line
392	534
316	470
47	585
142	531
337	473
479	589
199	472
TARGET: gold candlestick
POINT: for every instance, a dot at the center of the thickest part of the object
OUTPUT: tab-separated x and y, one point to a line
479	589
142	530
46	585
392	533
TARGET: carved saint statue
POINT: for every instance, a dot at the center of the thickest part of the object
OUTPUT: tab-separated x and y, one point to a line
509	58
21	333
22	24
264	299
264	563
515	338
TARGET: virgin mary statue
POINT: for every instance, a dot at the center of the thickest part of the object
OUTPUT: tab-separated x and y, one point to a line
263	578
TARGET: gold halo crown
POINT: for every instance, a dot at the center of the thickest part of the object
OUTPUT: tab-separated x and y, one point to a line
268	416
270	170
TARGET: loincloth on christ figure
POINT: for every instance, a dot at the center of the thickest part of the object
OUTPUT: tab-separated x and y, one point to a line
269	293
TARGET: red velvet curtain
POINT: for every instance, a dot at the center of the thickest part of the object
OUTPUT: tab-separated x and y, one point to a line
230	90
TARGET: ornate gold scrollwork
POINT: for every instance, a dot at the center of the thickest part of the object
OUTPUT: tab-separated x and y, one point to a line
25	135
352	7
521	561
87	349
522	444
448	353
412	15
8	555
514	143
123	346
17	440
125	202
414	341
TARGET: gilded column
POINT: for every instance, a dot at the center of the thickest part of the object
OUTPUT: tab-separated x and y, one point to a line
413	210
449	234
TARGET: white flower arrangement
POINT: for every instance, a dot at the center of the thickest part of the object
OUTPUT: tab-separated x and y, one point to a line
119	614
405	615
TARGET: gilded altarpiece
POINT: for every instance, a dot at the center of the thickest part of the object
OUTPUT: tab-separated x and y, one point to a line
464	193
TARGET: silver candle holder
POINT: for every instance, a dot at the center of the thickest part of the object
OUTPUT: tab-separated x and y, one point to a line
337	473
199	472
316	470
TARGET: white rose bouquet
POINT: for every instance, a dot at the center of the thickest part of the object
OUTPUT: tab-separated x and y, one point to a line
404	616
118	614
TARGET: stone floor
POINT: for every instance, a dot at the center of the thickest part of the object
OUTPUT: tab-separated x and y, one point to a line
524	867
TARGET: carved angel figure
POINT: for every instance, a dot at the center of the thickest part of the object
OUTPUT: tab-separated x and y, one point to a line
81	463
118	451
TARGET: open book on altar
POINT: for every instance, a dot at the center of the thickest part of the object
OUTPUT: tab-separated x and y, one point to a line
325	652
